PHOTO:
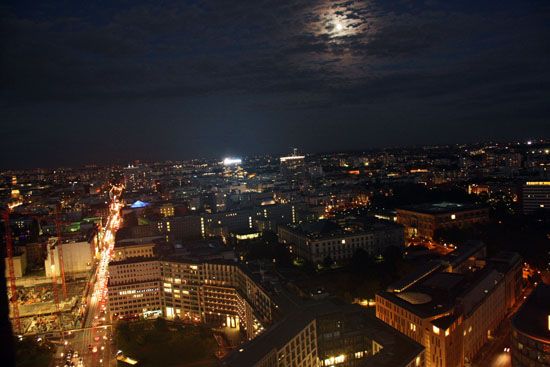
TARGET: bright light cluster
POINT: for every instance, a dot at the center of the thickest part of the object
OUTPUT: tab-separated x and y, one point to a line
231	161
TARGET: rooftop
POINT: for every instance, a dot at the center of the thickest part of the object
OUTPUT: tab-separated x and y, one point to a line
326	228
432	290
398	349
533	318
441	208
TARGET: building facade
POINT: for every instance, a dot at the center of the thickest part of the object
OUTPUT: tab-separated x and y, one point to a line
215	291
77	257
450	309
329	334
535	196
425	219
531	330
317	245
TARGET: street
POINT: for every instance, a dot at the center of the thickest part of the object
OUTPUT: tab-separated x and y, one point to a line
92	344
493	353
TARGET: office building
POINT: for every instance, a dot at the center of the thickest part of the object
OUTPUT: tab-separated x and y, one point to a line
319	240
425	219
129	249
213	290
328	334
535	196
134	288
452	306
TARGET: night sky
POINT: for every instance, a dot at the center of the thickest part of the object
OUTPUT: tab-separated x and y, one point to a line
113	81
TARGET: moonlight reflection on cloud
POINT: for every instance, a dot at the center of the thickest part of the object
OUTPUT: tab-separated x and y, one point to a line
340	21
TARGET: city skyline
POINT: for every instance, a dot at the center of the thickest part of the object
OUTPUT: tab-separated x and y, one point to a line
92	83
275	183
242	157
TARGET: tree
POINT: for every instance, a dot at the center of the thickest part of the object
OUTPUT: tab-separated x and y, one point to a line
123	329
361	262
160	324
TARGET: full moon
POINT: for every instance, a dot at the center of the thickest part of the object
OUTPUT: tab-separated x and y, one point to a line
338	27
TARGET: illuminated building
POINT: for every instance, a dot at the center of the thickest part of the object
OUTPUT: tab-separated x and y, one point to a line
535	196
219	291
215	291
531	330
136	178
328	334
125	250
452	306
201	226
134	288
167	210
293	163
187	227
318	240
478	189
425	219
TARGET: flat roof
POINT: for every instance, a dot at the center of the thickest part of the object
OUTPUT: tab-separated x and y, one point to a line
442	207
533	318
435	292
326	228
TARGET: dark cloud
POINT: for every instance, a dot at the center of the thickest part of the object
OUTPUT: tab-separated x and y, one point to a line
266	66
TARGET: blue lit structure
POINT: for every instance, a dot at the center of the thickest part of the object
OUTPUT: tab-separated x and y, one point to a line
139	204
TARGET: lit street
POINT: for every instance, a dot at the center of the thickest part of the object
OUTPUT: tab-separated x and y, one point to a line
494	354
93	342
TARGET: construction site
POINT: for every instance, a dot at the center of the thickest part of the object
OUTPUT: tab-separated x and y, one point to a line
51	298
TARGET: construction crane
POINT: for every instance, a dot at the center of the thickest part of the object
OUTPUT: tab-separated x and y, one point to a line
54	283
11	271
60	253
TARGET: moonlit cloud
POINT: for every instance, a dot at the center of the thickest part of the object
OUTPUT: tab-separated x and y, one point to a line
213	77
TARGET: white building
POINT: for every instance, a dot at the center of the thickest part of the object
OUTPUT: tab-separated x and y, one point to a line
77	257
